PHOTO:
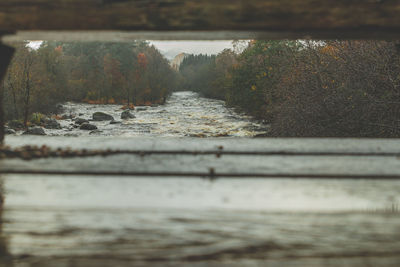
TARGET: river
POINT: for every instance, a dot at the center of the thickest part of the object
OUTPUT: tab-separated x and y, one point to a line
184	114
117	221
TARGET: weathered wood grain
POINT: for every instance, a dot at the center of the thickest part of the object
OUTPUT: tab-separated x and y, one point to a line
57	221
292	18
257	158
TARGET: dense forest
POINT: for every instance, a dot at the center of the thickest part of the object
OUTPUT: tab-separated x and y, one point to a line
99	73
300	88
307	88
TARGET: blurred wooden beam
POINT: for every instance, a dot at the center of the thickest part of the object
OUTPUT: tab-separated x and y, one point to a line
269	158
6	54
276	18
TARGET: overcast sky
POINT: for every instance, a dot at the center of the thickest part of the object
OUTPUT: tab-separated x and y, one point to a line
171	48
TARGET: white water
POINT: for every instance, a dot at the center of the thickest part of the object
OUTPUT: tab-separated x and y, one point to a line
184	114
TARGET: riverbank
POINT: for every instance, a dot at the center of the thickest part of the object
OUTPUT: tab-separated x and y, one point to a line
306	88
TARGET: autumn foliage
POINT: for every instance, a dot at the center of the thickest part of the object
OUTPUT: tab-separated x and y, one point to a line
309	88
97	73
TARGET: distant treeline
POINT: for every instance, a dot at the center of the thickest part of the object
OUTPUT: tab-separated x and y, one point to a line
307	88
126	73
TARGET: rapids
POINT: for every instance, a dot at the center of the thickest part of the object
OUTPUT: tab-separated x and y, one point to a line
184	114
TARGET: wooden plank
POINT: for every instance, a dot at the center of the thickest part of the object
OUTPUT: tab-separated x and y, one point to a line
236	158
338	145
211	167
55	221
291	18
6	54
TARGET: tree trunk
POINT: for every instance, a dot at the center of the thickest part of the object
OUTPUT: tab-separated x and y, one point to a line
12	87
28	63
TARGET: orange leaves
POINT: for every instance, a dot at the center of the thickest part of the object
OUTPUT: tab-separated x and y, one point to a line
100	101
331	51
328	49
142	60
58	49
57	117
130	106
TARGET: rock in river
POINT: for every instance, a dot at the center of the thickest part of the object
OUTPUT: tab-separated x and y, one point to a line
67	117
101	116
127	115
88	126
115	122
80	121
8	131
35	131
15	125
95	132
51	124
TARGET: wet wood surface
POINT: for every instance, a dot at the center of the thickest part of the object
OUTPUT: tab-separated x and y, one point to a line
216	157
91	220
262	18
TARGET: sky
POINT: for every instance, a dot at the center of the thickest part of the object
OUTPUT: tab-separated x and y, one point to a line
34	44
172	48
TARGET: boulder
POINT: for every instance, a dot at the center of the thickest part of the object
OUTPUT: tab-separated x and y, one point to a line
51	124
8	131
15	125
88	127
127	115
80	121
67	117
35	131
71	134
95	132
101	116
60	109
115	122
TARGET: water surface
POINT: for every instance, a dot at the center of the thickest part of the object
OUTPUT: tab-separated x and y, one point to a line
184	114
